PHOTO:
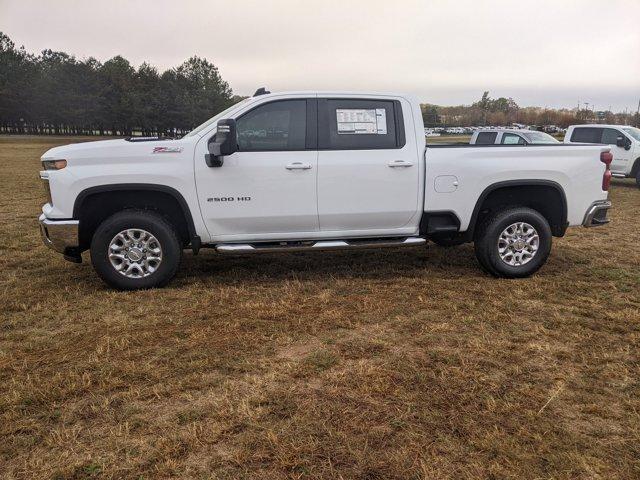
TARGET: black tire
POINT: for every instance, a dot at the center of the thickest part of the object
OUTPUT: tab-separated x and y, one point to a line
447	241
488	234
638	177
146	220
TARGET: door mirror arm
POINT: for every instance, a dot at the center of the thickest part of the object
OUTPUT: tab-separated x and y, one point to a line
223	143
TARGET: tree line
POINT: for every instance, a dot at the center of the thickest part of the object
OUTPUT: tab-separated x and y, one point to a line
505	111
55	93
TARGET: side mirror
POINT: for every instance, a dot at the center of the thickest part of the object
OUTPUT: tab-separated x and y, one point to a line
223	143
621	142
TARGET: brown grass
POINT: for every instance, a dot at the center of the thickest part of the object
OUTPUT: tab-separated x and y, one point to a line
373	364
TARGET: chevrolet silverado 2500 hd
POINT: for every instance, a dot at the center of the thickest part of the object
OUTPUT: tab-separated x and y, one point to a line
313	171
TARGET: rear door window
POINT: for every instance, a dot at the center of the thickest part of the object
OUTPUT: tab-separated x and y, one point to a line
360	124
587	135
486	138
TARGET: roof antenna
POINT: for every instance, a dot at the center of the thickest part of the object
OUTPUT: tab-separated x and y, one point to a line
261	91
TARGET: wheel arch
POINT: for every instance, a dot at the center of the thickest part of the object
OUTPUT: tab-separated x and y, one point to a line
635	168
519	193
90	211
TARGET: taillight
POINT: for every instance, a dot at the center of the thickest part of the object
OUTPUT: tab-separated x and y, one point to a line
606	158
606	179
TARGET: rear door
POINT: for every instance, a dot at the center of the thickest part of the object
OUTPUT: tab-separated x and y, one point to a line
368	166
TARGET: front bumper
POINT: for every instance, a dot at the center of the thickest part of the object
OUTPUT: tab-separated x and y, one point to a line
60	235
597	214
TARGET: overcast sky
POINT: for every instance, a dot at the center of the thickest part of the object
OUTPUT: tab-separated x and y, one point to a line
548	53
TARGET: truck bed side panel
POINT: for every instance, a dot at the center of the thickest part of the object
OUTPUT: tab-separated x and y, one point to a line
456	177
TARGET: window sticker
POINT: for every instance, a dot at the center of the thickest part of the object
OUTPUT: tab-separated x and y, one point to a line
355	121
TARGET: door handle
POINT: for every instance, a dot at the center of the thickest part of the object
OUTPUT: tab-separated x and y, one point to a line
399	163
298	166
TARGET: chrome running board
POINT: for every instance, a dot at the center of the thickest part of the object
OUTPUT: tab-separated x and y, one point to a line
305	246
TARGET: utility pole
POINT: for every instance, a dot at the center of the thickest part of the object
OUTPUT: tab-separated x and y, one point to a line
638	115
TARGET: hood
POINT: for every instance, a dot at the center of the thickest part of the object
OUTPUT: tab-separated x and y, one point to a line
112	149
74	149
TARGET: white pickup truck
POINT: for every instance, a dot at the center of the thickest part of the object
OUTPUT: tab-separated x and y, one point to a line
623	139
313	171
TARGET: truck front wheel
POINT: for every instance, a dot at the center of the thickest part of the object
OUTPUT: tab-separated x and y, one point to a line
513	243
135	249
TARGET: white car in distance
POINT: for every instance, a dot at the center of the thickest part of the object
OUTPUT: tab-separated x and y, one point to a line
499	136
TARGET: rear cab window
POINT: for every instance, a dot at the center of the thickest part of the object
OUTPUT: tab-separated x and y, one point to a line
360	124
486	138
587	135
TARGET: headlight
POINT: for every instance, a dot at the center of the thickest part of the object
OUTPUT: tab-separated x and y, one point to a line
54	164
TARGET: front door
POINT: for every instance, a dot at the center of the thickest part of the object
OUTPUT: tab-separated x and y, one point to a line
268	187
621	156
368	167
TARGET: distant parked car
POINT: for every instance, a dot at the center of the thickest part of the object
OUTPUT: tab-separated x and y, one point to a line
511	137
624	140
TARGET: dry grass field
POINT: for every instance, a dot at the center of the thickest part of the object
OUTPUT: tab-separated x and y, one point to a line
407	364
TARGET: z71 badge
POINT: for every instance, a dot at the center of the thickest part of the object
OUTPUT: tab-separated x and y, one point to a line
167	149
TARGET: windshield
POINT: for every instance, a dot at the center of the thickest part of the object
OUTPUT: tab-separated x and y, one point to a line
538	138
634	132
213	120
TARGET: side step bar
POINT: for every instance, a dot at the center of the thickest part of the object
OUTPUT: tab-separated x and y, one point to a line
302	246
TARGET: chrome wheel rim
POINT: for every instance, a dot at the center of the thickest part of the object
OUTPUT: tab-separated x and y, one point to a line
135	253
518	244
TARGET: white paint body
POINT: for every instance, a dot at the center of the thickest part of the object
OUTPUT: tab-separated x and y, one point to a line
624	159
327	194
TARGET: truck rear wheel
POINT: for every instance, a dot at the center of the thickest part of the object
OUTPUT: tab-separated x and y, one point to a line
135	249
513	243
638	177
